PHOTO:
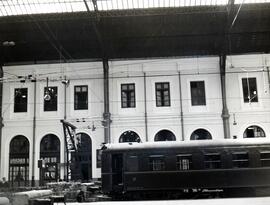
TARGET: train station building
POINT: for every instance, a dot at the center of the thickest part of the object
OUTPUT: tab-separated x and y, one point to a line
136	72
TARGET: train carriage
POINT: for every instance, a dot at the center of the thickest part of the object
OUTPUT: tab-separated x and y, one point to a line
180	166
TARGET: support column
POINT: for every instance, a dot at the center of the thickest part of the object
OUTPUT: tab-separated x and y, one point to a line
181	108
268	72
145	108
106	115
225	112
65	97
1	117
64	131
34	134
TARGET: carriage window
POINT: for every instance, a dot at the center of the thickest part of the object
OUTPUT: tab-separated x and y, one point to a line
212	161
132	164
184	161
99	152
265	158
240	159
156	163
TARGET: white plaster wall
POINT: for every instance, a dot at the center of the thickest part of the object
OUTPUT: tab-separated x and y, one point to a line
166	70
8	133
156	70
49	122
243	114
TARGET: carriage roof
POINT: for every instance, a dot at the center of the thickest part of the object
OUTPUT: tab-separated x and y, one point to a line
186	144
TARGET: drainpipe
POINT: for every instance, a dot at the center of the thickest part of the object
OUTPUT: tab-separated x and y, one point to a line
145	108
1	118
34	134
268	76
65	98
181	107
106	115
65	117
225	112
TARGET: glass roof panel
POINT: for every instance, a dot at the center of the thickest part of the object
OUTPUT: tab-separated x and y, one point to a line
18	7
251	1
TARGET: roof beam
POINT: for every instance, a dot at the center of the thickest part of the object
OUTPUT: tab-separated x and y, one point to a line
96	24
95	5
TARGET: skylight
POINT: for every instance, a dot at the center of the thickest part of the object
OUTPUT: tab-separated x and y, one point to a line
19	7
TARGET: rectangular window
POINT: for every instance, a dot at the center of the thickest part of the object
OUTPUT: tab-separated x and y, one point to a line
128	95
81	97
132	163
197	90
156	163
20	100
99	152
212	161
249	90
265	158
50	99
240	159
184	161
163	94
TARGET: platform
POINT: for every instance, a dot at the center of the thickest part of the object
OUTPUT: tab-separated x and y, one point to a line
224	201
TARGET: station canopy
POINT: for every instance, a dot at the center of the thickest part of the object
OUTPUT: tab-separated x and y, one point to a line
23	7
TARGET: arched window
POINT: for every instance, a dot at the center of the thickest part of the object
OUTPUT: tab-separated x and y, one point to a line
254	131
129	136
50	153
83	168
165	135
201	134
19	161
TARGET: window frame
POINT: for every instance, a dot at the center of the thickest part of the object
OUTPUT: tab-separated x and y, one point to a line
182	165
77	103
154	165
246	89
210	162
162	91
19	106
240	162
130	100
52	104
256	130
132	163
19	161
265	160
198	100
98	158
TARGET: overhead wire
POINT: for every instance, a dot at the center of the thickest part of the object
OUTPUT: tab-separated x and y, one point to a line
140	75
47	36
232	24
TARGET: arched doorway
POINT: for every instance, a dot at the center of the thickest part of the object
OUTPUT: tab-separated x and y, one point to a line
165	135
129	136
84	166
253	132
19	161
201	134
50	154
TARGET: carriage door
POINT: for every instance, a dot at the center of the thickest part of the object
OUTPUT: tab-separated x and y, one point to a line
117	169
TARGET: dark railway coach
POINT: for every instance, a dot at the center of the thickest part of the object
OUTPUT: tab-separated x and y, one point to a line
180	166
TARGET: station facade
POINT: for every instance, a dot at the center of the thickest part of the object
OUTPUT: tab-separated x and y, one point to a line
175	99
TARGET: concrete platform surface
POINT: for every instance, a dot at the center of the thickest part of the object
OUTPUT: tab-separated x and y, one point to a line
227	201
